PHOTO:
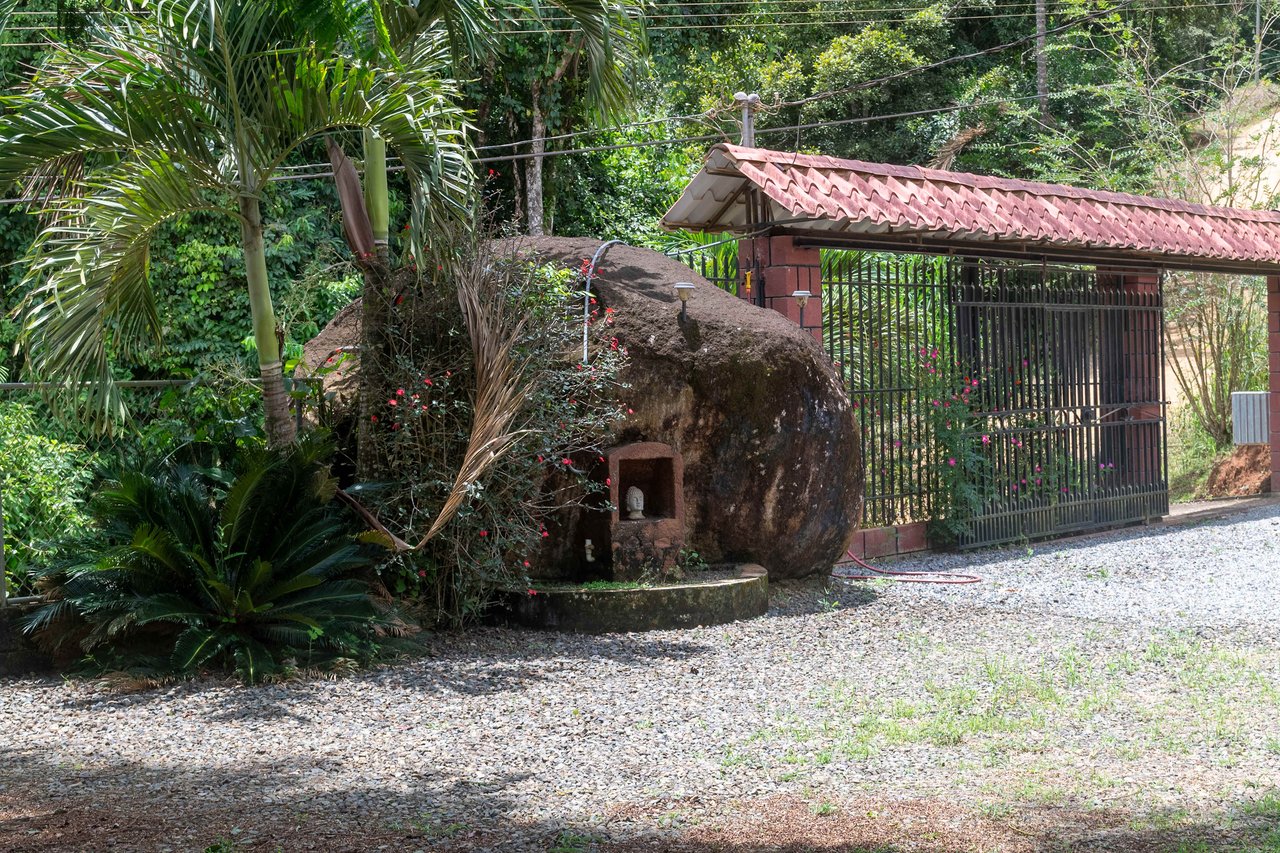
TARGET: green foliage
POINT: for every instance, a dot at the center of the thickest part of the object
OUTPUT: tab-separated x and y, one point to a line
615	194
191	109
42	486
191	566
961	467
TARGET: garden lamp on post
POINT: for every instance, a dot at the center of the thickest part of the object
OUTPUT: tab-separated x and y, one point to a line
802	299
684	289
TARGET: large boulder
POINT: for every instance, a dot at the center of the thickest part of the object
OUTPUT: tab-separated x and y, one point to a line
772	473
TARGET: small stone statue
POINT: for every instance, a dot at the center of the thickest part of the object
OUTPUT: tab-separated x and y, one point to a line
635	503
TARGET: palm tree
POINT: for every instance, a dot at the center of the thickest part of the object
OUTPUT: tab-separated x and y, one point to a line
181	106
605	44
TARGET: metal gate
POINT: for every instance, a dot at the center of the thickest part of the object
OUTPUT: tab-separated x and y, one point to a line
1066	366
1073	415
1069	368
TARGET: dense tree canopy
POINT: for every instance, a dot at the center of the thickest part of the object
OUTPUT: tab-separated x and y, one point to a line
814	62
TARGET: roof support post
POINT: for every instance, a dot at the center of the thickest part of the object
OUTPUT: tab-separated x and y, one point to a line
1273	359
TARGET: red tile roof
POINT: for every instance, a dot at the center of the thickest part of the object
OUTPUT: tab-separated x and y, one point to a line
870	203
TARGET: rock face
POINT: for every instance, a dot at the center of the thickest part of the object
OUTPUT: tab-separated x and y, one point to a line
772	473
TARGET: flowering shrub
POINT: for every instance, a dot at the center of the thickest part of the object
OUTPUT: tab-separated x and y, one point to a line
566	409
951	400
987	451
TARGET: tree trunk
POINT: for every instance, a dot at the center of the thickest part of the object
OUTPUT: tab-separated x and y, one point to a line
376	297
280	426
1042	63
533	190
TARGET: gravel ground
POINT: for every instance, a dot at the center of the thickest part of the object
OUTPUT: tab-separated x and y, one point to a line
1219	573
1112	693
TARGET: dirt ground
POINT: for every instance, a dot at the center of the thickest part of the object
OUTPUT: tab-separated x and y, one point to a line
782	823
1247	471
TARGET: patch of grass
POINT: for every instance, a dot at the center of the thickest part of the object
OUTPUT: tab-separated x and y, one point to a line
1267	807
437	828
222	845
572	842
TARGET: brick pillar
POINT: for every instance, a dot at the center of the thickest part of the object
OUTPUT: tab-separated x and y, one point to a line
1273	402
778	268
1132	375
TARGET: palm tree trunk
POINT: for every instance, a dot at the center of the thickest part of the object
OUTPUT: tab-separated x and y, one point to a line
275	400
376	198
375	309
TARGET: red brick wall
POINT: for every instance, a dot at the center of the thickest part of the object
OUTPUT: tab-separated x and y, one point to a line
889	541
779	267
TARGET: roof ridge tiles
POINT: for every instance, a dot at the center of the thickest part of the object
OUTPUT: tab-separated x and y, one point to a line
738	153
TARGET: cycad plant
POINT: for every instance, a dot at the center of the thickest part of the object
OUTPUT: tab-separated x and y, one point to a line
209	567
177	106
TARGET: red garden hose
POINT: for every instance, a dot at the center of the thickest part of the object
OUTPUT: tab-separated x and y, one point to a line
902	577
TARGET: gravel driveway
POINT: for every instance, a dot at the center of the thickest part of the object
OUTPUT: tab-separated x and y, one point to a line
1118	692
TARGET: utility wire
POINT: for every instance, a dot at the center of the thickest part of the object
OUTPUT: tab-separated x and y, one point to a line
685	140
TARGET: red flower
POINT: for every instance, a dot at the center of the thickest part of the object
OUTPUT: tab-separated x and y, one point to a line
533	591
373	418
526	564
608	481
427	381
483	533
393	402
399	392
630	411
567	461
422	573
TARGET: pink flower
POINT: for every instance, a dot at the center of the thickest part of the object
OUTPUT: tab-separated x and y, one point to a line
532	591
986	439
399	392
392	402
952	462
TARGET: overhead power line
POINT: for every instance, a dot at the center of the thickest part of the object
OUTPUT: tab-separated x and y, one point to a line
720	137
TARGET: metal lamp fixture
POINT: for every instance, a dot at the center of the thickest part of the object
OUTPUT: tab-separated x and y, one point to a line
802	299
684	289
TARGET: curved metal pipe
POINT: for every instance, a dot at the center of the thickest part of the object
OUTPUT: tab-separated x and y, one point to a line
586	293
